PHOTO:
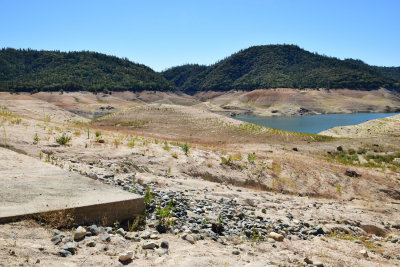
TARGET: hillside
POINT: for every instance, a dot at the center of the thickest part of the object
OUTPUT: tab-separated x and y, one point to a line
280	66
182	74
392	72
28	70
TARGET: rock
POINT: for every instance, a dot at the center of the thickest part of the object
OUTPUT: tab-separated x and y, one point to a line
149	245
276	236
161	251
236	252
295	149
318	231
372	229
64	253
79	233
398	257
161	228
308	261
131	235
125	256
318	264
217	228
339	148
70	246
105	238
352	173
154	236
165	244
56	239
56	232
94	229
91	244
145	235
330	228
120	232
189	238
364	253
393	193
264	210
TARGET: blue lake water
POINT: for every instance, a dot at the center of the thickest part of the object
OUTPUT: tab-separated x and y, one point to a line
313	123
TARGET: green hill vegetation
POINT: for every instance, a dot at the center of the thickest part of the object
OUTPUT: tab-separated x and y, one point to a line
268	66
31	70
280	66
392	72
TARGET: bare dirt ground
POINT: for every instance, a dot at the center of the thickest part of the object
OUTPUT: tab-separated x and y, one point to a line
289	102
385	126
293	179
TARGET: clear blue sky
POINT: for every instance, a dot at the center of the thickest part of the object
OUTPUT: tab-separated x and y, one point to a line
164	33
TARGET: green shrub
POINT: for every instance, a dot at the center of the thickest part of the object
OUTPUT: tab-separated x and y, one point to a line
186	148
98	133
36	139
226	161
131	143
63	139
166	146
251	157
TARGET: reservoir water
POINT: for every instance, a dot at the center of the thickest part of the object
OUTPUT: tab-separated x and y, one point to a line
313	123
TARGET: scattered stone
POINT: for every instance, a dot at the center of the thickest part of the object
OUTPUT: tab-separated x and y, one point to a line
79	233
264	211
56	239
308	261
318	264
276	236
94	229
91	243
154	236
236	252
125	256
70	246
145	235
339	148
131	235
161	228
217	228
64	253
352	173
165	244
105	238
386	256
364	253
189	238
121	232
161	251
149	245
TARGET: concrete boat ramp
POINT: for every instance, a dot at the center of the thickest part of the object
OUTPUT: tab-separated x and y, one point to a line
29	187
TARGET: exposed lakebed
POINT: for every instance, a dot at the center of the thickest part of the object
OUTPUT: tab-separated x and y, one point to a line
313	123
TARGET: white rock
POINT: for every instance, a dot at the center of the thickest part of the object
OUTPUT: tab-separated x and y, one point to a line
79	233
125	256
276	236
190	239
364	253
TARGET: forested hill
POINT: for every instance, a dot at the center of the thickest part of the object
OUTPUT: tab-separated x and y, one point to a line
280	66
28	70
392	72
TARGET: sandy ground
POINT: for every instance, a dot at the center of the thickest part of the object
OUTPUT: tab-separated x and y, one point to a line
304	183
